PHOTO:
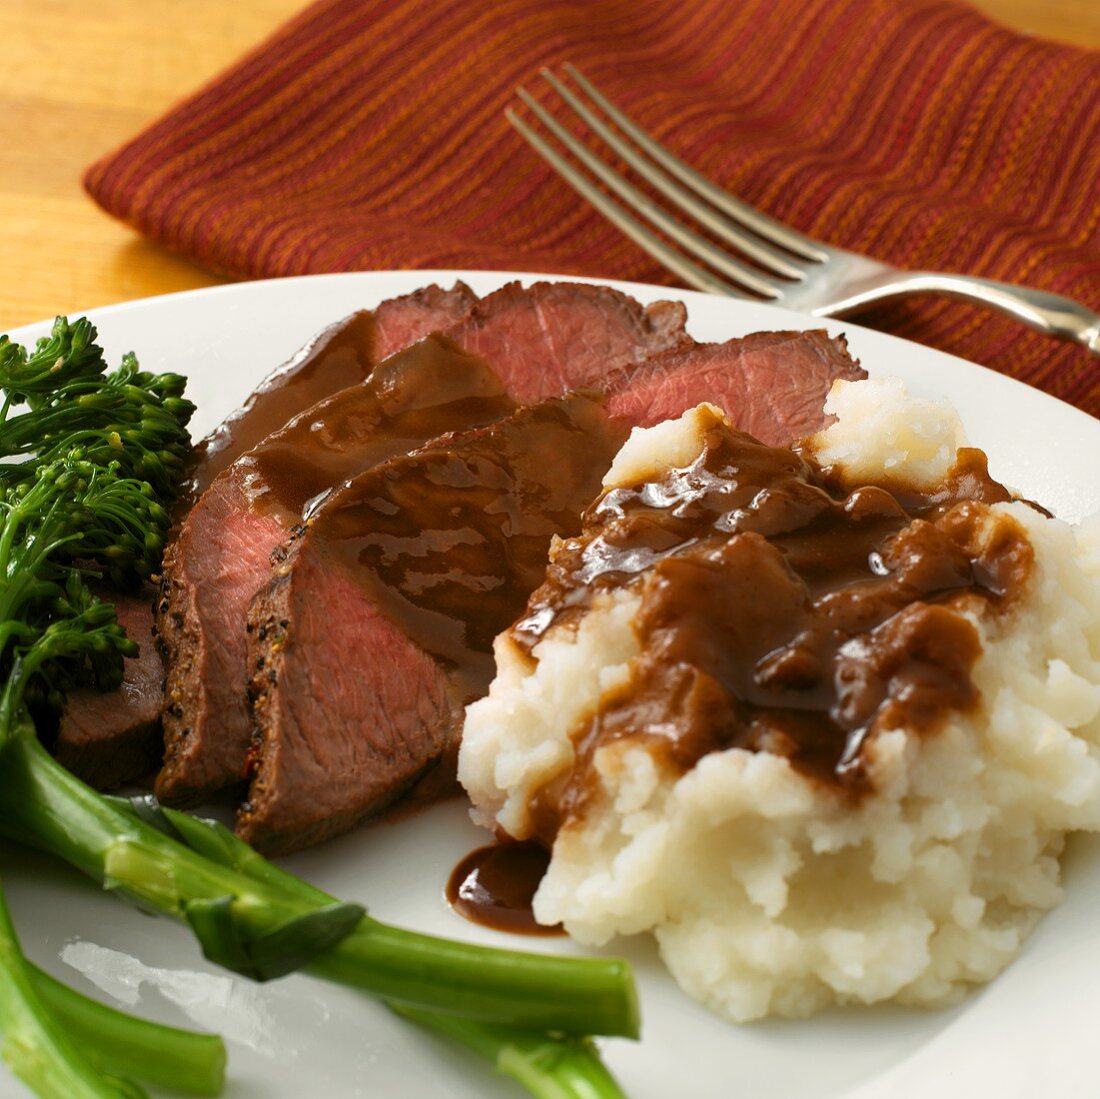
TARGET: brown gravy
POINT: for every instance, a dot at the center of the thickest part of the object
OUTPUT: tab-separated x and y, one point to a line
452	538
780	612
495	885
431	387
341	355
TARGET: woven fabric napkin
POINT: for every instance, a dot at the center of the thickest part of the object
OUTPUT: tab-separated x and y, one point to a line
369	134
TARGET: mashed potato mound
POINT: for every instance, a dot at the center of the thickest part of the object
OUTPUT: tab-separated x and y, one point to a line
768	892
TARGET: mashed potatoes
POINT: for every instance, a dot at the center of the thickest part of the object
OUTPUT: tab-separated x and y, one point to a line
770	892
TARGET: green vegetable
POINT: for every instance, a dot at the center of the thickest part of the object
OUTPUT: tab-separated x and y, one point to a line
549	1068
133	419
37	1047
65	1045
205	864
119	1044
102	453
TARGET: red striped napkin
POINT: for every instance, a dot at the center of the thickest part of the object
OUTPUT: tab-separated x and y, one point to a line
370	134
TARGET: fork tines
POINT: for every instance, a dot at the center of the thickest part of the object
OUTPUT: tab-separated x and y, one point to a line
778	254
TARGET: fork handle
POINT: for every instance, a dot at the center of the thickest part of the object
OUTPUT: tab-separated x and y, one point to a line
1050	313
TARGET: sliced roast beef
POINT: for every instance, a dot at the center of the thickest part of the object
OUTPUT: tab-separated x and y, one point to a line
109	739
560	336
222	554
551	337
340	355
443	544
772	384
377	627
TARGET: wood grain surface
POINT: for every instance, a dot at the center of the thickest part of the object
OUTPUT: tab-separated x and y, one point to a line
80	78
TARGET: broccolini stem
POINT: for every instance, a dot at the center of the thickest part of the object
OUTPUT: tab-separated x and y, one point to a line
549	1068
48	808
36	1046
183	1060
540	991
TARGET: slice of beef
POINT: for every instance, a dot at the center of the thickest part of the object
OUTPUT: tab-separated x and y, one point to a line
772	384
560	336
378	625
443	544
551	337
109	739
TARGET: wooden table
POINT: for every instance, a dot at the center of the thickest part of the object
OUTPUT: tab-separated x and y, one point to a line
80	78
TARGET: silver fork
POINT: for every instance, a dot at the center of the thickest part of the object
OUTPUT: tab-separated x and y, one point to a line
772	262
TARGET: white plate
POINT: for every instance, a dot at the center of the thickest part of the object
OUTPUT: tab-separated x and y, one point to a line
1032	1032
